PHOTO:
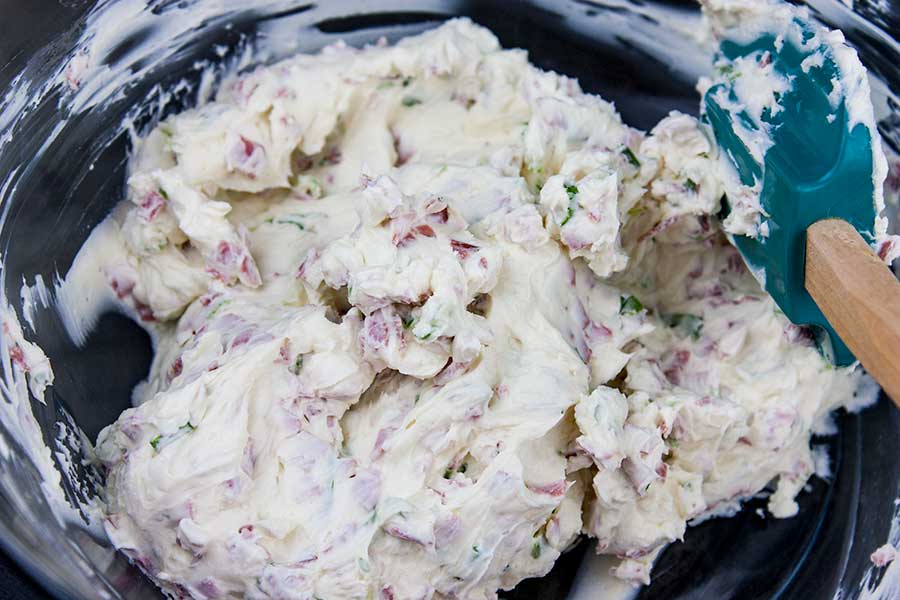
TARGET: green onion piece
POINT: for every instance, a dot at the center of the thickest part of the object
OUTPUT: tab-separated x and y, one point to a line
630	305
298	365
688	324
290	220
631	157
636	210
571	191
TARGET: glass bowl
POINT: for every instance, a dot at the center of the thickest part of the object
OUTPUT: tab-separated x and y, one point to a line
63	154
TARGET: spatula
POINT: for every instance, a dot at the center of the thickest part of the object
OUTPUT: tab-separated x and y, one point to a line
794	137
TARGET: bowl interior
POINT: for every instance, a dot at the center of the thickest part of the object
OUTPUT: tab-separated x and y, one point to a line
66	170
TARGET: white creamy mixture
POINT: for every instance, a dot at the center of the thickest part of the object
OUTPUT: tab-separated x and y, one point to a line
424	314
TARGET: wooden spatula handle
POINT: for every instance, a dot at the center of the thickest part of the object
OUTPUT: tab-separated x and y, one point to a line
859	296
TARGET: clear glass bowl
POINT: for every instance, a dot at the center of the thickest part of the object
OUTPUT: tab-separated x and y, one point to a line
63	170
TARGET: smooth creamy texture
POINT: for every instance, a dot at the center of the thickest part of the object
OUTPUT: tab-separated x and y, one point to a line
424	314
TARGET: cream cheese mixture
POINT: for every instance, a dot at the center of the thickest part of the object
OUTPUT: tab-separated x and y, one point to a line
424	314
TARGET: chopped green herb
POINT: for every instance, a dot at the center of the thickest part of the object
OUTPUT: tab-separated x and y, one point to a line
409	101
690	184
315	188
631	157
448	473
463	467
298	365
727	71
219	306
289	220
162	193
416	401
536	550
572	192
407	81
307	184
636	210
160	441
476	550
690	325
407	321
630	305
431	333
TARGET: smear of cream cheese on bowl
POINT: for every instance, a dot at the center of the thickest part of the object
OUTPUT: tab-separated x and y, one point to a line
423	315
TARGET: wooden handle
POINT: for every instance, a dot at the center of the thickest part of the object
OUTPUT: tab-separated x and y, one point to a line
859	296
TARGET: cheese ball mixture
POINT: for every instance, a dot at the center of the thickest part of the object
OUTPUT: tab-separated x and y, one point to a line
424	315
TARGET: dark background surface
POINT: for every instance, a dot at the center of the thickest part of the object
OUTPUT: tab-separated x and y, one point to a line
20	35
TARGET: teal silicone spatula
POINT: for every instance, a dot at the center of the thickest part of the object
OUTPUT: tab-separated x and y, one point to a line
788	131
